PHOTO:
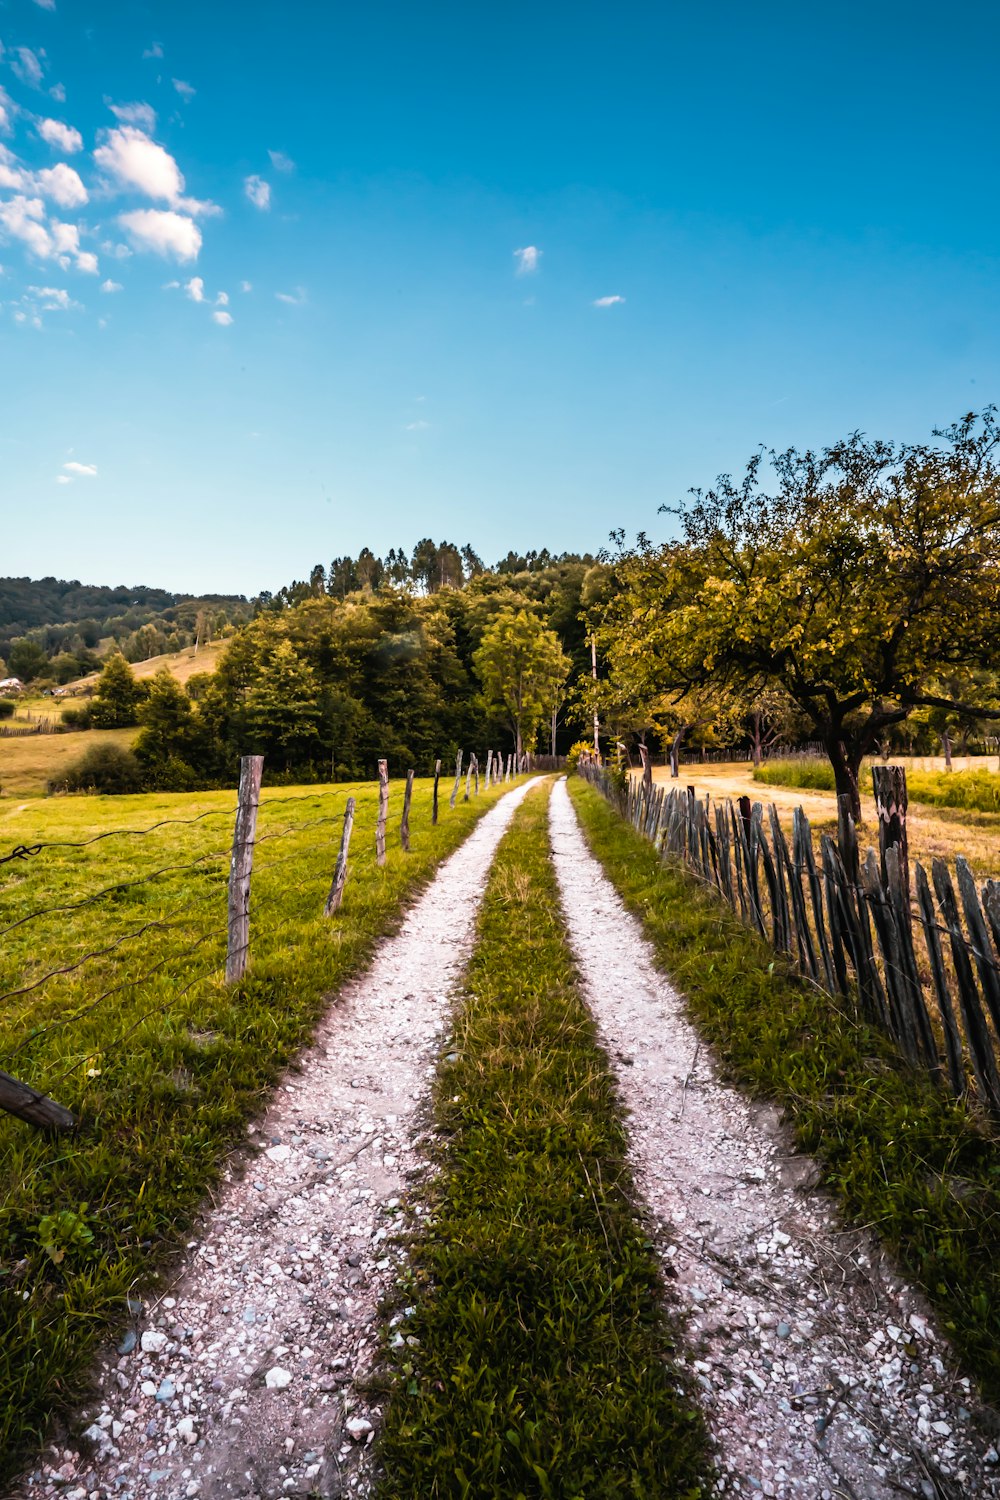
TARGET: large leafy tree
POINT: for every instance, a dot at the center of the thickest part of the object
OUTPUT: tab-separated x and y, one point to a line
117	695
860	583
522	668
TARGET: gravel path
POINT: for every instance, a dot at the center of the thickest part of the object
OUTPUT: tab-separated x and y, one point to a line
249	1379
823	1373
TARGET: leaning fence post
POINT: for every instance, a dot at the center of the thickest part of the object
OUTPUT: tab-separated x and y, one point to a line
437	778
383	811
468	778
847	839
404	826
241	867
889	785
475	771
36	1109
458	779
340	872
647	770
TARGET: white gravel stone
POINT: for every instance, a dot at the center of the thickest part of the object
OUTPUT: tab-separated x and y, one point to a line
153	1341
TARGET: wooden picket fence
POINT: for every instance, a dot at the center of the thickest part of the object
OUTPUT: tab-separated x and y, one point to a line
925	971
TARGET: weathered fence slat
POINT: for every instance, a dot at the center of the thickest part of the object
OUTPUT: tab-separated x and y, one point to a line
458	779
404	822
241	867
434	804
336	895
976	1032
383	811
952	1035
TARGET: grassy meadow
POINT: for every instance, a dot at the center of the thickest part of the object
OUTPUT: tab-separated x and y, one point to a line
161	1061
972	790
27	764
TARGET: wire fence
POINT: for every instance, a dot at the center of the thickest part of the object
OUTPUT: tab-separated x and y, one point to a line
920	961
93	924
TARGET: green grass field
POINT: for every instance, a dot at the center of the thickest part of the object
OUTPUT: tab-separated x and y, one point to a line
976	791
162	1063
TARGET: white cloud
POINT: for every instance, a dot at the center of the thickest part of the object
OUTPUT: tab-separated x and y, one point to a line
527	259
63	479
163	231
110	286
62	185
63	137
294	299
80	471
608	301
156	50
419	426
46	4
116	250
58	93
195	289
27	65
246	286
186	90
87	261
258	191
143	115
8	109
222	300
222	318
280	162
133	160
21	219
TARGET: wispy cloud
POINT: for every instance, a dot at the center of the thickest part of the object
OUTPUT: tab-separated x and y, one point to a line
294	299
156	50
27	66
62	137
46	4
608	301
527	259
418	426
137	113
195	288
80	471
186	90
110	286
280	162
58	93
7	111
24	219
222	300
163	231
222	318
258	191
246	286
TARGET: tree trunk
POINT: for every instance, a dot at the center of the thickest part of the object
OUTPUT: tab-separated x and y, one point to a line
946	747
846	763
757	754
675	751
554	713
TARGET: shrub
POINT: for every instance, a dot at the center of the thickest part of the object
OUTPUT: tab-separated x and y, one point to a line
573	758
77	718
107	769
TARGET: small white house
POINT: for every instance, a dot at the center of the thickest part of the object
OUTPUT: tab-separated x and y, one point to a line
10	687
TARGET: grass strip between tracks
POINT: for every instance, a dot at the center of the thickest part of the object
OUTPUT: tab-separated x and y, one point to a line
159	1112
545	1366
897	1152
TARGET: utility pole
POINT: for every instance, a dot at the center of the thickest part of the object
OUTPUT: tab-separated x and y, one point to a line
593	670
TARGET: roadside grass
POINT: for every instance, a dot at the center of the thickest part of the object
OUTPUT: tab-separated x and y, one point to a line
545	1366
901	1157
164	1071
974	791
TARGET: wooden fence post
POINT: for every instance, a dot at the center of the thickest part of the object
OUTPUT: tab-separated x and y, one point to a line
404	826
383	811
475	771
437	778
647	770
340	872
847	839
458	779
509	761
241	867
889	785
37	1109
468	778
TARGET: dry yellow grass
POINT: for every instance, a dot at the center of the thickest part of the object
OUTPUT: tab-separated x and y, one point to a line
932	831
180	664
27	764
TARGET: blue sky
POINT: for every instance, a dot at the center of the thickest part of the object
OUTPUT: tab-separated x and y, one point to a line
281	281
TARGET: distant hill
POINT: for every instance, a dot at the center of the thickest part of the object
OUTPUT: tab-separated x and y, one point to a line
53	627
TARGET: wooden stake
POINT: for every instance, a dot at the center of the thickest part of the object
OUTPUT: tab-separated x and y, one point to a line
468	778
241	867
475	771
889	784
37	1109
437	778
404	827
383	811
458	779
340	872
